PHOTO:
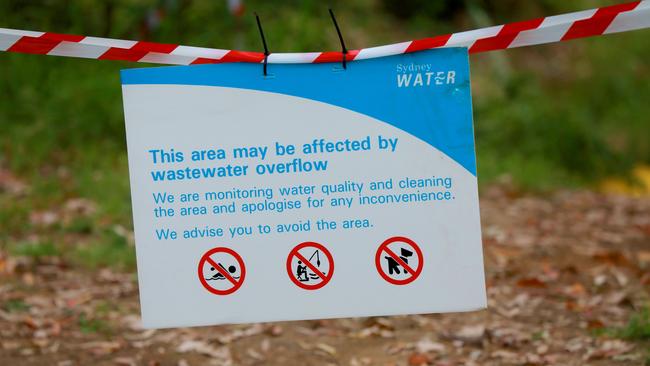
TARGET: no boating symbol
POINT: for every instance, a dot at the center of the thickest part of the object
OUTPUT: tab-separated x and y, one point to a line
221	271
399	260
310	265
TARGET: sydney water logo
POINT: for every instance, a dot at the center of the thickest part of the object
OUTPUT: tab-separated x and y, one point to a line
419	75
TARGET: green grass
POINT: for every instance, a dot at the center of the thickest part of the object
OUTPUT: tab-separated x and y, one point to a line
80	225
637	328
113	251
93	325
91	251
35	250
15	306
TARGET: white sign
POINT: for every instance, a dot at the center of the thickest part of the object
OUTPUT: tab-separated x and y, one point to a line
314	192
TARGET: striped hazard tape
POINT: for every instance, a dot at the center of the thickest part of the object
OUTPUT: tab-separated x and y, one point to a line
594	22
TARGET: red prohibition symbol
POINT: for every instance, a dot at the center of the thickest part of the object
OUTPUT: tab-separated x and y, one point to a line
310	265
400	272
221	271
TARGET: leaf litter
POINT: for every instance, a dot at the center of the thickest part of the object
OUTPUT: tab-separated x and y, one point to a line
561	271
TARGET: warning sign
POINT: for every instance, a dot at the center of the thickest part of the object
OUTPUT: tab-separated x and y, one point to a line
221	271
299	171
399	260
310	266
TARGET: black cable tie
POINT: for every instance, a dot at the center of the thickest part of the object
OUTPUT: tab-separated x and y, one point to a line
266	49
344	50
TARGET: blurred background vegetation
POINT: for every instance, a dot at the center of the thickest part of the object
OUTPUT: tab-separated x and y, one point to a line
560	115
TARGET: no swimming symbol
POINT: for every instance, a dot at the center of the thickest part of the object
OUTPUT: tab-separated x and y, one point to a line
221	271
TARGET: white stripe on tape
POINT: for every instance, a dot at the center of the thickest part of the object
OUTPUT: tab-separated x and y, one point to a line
20	33
196	52
165	58
74	49
552	29
467	38
293	58
108	42
387	50
637	19
8	40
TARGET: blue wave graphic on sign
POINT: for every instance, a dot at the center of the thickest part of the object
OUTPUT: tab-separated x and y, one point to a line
426	94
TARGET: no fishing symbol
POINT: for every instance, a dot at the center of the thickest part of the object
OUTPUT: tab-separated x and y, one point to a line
399	260
310	265
221	271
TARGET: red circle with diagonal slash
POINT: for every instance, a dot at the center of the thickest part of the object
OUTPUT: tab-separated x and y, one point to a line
414	272
236	283
324	278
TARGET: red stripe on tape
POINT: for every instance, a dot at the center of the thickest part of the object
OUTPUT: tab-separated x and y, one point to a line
62	37
329	57
43	44
203	60
137	52
154	47
242	56
506	35
427	43
595	25
598	23
122	54
333	56
33	45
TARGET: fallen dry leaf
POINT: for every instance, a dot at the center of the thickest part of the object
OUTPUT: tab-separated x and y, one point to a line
531	282
326	348
425	345
472	334
418	359
202	348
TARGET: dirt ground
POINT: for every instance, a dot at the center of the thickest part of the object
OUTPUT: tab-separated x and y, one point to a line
564	271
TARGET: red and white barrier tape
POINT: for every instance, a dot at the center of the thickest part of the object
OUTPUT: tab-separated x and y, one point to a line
594	22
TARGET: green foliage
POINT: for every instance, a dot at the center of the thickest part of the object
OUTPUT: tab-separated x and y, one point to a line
35	250
638	327
15	306
568	117
81	225
108	250
572	127
409	9
93	325
113	250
